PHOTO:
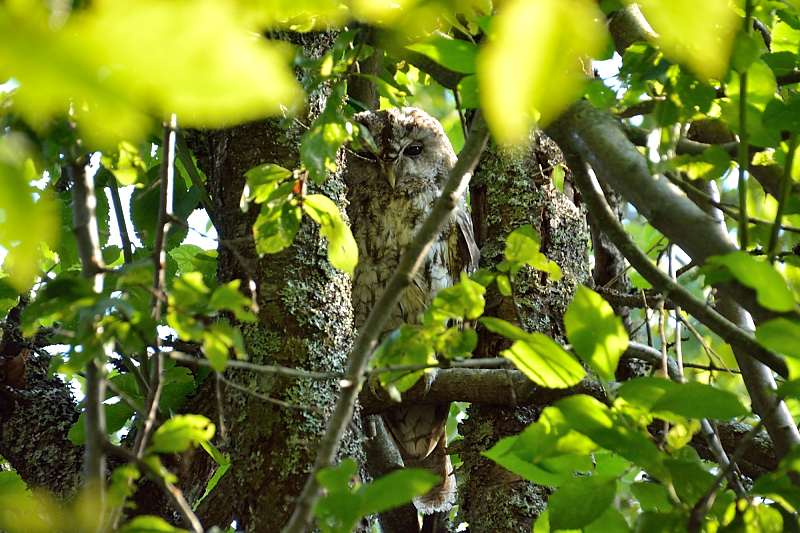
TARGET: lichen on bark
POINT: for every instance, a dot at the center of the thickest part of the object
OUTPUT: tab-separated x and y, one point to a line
512	187
304	320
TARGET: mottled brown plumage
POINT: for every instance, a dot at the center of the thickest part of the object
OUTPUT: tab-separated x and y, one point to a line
391	191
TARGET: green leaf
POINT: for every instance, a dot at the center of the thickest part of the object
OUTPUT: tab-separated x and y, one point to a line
468	91
612	431
462	300
408	345
699	34
320	145
504	328
545	362
116	416
522	248
150	524
698	400
580	501
342	248
345	502
178	385
190	257
771	289
28	217
218	340
395	489
276	226
181	432
228	297
262	181
197	79
611	521
690	480
780	335
652	496
455	54
519	90
600	95
595	332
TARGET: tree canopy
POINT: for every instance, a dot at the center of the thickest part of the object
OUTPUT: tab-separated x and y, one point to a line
127	281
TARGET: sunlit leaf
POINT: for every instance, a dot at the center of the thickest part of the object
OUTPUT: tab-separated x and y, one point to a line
209	69
462	300
771	289
608	429
395	489
28	217
780	335
455	54
580	501
262	181
545	362
342	248
532	66
595	332
150	524
218	341
346	501
522	248
698	400
181	432
276	226
227	297
699	34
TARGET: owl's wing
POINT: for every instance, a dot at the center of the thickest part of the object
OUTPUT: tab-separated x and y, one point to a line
463	250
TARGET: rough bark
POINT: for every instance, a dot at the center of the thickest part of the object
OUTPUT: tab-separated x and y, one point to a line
305	320
512	188
36	413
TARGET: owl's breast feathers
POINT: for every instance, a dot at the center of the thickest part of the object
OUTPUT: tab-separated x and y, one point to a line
383	226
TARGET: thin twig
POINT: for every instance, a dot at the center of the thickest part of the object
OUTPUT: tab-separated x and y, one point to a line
454	189
159	280
88	241
704	504
269	399
169	489
726	209
185	156
711	318
710	352
122	225
266	369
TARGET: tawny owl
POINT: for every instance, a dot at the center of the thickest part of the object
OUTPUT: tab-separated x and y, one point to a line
391	191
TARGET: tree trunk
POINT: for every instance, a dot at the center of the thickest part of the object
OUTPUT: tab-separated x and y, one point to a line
510	189
305	321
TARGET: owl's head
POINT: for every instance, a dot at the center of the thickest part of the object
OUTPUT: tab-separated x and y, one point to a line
413	150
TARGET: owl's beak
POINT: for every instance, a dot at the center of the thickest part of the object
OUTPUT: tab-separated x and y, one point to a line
391	177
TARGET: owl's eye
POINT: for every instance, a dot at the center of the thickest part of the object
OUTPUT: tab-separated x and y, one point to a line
413	150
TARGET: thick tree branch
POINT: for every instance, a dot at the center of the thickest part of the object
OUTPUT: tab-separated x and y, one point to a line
367	339
596	138
88	241
660	281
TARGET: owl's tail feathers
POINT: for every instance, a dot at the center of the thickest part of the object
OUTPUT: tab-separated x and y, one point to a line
442	496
